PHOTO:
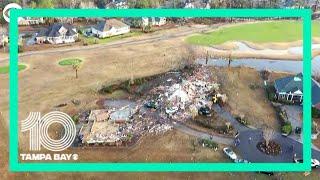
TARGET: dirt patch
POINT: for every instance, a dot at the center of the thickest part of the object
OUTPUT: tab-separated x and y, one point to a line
246	95
212	125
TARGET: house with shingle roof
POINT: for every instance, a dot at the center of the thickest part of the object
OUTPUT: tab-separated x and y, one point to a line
110	27
4	39
57	33
290	88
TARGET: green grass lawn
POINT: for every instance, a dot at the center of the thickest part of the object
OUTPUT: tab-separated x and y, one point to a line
95	40
70	62
278	31
5	69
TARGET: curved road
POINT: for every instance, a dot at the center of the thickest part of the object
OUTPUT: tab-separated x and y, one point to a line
218	139
247	148
152	38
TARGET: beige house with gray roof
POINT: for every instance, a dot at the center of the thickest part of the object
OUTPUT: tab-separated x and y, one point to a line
110	27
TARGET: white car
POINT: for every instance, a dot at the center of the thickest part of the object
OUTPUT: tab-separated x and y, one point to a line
230	153
171	110
315	163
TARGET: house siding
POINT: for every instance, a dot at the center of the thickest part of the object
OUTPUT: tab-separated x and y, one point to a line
111	32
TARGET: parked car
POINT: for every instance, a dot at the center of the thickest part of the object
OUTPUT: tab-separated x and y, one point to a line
205	111
171	110
230	153
241	161
151	105
314	162
298	130
266	173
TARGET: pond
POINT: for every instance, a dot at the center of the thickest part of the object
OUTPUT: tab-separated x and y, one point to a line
262	64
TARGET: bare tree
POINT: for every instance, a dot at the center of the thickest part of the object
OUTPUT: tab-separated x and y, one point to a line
131	70
268	134
76	67
229	58
194	112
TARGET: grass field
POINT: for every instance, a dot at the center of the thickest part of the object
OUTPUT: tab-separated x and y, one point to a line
264	32
5	69
70	62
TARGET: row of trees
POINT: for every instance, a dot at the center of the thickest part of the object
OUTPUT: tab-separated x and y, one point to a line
157	3
260	3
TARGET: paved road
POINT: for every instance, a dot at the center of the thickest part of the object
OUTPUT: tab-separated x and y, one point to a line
289	146
147	39
248	148
218	139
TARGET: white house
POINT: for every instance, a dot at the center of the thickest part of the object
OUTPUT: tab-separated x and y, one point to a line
199	4
57	34
117	4
3	36
110	27
154	21
30	21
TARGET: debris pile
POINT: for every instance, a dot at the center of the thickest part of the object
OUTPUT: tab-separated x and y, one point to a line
160	128
183	99
175	96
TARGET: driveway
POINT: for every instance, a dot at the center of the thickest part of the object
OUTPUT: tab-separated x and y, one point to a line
294	113
218	139
248	150
289	146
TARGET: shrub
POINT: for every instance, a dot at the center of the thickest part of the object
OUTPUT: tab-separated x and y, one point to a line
106	89
315	113
20	49
242	121
75	118
286	102
283	116
254	86
208	143
314	129
270	91
286	128
223	129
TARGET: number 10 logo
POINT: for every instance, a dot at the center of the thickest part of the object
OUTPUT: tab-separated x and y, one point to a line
39	130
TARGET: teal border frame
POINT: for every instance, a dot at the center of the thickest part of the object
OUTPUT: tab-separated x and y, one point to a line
16	166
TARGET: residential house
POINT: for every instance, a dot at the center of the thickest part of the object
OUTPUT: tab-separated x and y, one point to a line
27	21
117	4
4	39
146	21
87	5
290	88
198	4
110	27
154	21
57	33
